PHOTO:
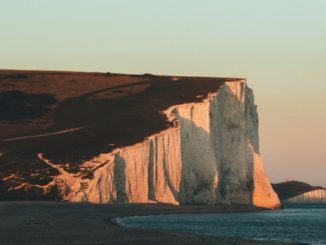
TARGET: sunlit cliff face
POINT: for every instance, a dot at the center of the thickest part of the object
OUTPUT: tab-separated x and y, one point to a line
209	155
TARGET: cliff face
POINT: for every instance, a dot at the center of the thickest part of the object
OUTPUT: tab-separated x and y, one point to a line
209	155
296	191
315	196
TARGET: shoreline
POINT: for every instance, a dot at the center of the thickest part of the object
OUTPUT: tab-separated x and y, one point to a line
32	222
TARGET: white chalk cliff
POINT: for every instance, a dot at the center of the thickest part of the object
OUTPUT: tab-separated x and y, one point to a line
210	155
309	197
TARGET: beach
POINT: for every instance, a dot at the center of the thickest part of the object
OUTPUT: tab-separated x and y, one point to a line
81	223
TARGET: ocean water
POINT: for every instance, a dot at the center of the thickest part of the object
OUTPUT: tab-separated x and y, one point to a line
304	223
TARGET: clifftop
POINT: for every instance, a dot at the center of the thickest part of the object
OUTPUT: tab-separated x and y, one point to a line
62	112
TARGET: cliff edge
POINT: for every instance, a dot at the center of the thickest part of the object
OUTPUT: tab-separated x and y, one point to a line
113	138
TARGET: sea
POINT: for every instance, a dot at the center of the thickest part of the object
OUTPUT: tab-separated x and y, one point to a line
302	223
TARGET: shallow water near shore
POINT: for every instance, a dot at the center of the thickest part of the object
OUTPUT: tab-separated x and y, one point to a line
303	223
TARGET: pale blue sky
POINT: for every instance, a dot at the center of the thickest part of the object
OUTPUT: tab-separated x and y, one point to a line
279	46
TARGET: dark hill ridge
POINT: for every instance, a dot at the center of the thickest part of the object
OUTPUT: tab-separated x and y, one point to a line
293	188
74	116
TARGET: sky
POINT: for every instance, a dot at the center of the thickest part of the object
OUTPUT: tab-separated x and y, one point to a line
279	46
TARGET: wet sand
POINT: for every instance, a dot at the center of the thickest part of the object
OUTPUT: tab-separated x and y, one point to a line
68	223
